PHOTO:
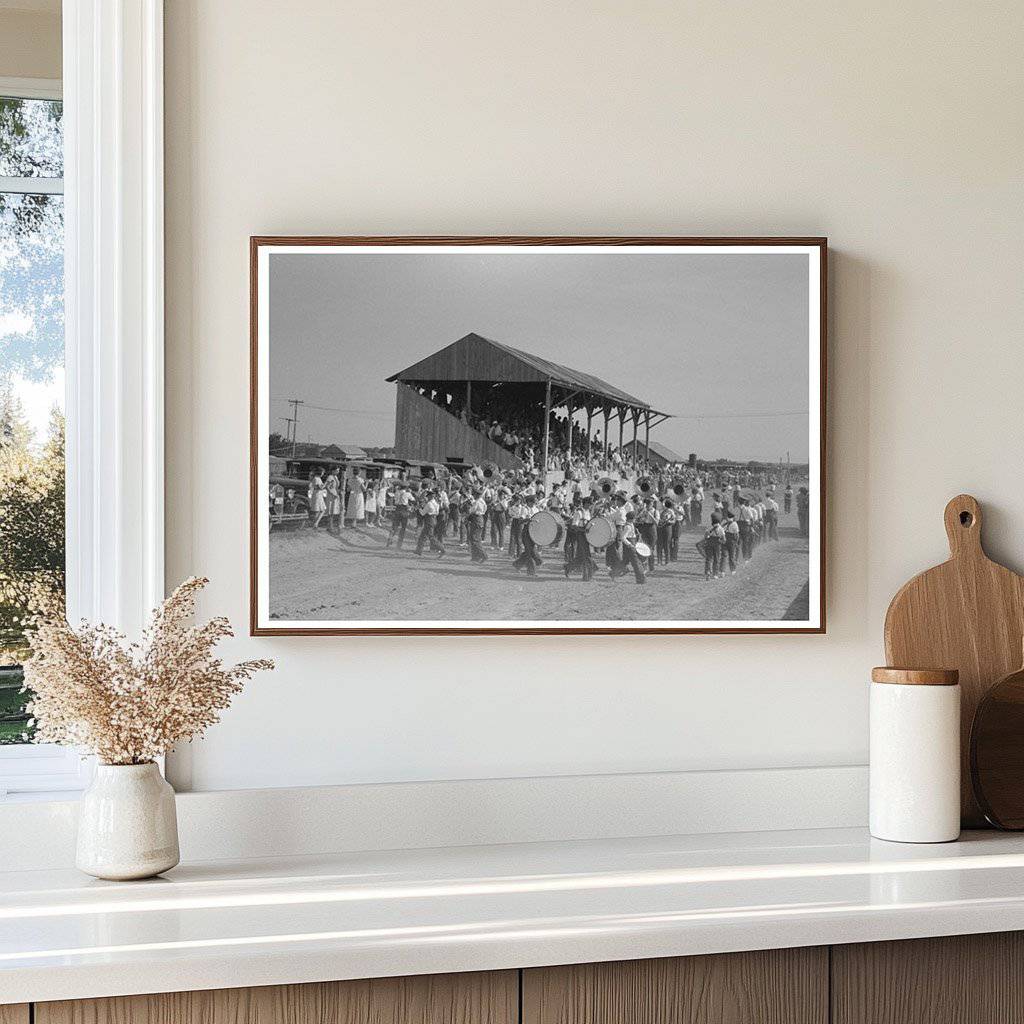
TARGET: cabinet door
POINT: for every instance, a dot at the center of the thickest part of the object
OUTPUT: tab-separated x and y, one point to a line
490	998
14	1014
779	986
962	979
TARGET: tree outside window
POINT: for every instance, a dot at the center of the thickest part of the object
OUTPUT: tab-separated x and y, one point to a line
31	385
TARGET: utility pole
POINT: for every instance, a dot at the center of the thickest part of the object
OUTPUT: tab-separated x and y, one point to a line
295	403
288	429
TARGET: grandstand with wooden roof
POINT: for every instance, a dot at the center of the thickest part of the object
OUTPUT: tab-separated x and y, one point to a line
473	372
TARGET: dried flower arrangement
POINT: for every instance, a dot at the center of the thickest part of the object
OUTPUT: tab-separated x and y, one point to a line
129	703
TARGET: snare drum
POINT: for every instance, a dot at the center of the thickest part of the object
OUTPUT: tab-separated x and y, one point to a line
642	549
600	532
545	528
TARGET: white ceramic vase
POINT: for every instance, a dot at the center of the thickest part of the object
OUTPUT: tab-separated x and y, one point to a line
127	825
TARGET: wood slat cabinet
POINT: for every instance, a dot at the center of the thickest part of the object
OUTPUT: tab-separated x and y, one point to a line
967	979
478	998
777	986
962	979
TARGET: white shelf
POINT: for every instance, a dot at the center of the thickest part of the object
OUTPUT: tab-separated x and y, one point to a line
352	915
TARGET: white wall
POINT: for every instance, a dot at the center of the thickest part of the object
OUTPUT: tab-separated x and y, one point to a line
30	39
895	129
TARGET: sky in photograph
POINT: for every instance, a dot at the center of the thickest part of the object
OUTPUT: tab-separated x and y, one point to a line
719	340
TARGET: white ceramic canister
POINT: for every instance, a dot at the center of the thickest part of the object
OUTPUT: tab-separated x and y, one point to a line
127	824
915	755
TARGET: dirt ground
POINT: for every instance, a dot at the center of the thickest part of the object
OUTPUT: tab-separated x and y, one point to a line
320	576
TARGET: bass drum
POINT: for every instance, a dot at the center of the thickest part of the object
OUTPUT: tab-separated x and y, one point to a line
545	528
600	532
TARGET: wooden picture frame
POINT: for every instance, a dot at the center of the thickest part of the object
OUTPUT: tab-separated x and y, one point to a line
264	623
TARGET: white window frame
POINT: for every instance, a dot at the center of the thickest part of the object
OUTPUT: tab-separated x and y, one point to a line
31	88
37	768
114	328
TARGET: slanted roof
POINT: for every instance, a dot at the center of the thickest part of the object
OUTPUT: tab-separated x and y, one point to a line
348	451
476	358
663	451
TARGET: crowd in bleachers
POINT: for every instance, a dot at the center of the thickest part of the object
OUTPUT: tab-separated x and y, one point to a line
499	415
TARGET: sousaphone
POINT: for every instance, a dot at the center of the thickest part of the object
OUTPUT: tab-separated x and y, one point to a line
645	486
678	488
489	471
605	487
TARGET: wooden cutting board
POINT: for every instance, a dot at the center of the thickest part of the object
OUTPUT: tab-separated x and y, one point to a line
967	614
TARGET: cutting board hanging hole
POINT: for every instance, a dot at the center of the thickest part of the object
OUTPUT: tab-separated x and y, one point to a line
963	526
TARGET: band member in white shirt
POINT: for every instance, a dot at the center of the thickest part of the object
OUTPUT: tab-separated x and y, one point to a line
666	525
771	512
696	505
333	501
428	525
732	540
713	547
758	509
475	526
517	523
803	511
498	514
529	559
622	554
317	498
577	550
745	515
647	526
444	506
400	517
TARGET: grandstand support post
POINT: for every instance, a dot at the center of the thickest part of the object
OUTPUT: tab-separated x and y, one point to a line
607	416
636	428
590	420
568	429
647	439
469	398
622	423
547	434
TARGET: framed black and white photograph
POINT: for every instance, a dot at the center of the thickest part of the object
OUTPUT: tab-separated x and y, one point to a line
537	435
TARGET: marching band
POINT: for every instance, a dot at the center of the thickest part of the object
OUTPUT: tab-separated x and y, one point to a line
636	525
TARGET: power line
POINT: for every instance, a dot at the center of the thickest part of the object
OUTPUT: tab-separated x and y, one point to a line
736	415
328	408
677	416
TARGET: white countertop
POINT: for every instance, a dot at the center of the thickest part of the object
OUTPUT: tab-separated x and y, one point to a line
283	920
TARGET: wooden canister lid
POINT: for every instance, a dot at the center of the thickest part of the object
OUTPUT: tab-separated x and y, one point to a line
916	676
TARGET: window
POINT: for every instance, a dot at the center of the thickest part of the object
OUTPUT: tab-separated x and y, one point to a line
31	409
111	160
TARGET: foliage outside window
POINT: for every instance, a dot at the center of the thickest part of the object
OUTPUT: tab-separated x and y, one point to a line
31	384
